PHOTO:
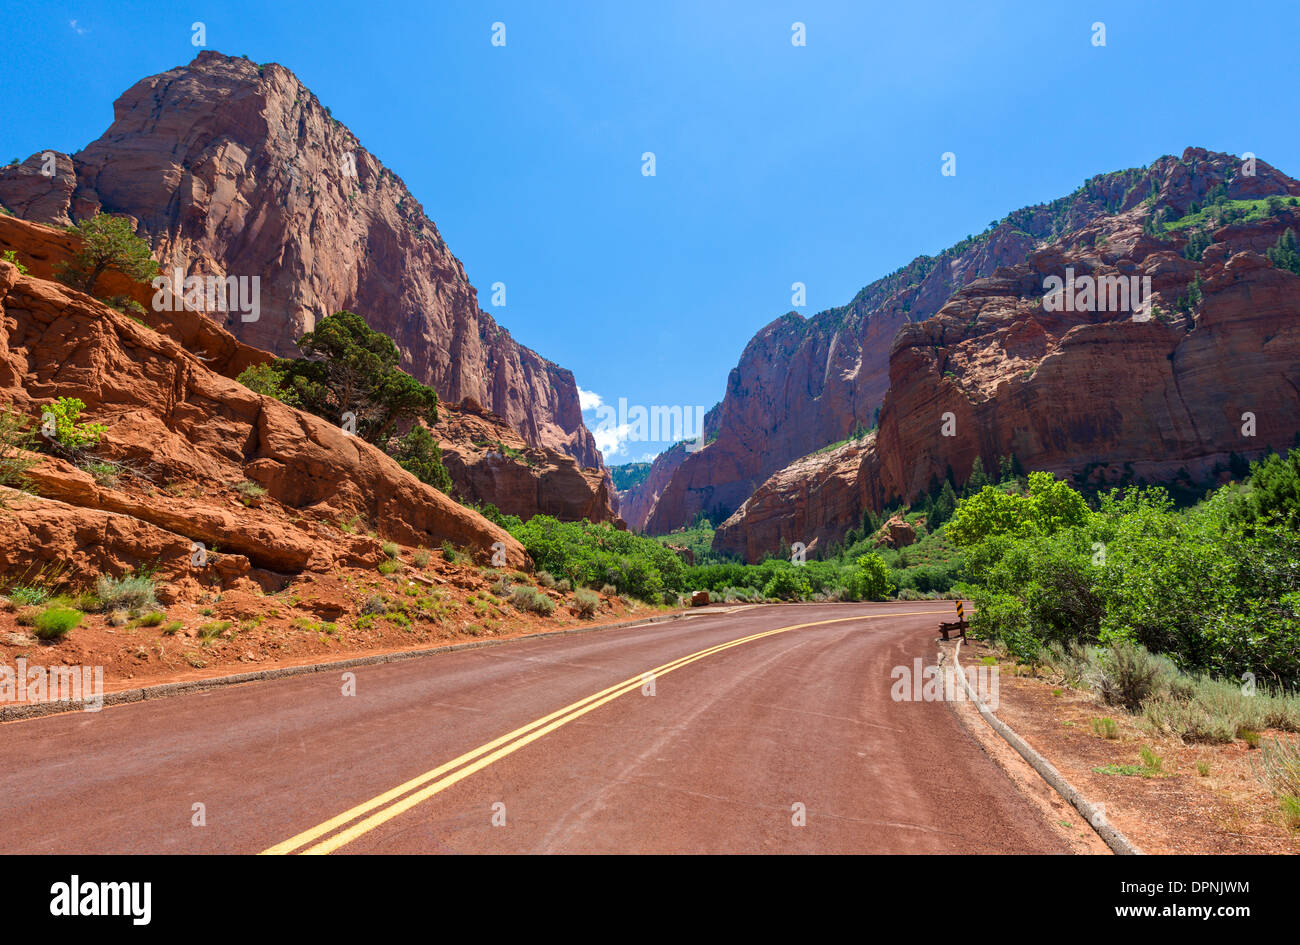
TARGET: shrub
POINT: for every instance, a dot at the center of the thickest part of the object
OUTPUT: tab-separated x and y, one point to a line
586	602
563	586
545	579
529	599
250	490
421	558
17	439
69	432
391	549
609	590
11	256
129	592
375	604
28	595
1105	728
388	566
870	579
266	379
419	454
1129	675
54	622
788	583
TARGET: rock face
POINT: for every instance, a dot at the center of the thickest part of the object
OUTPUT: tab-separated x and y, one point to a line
1160	394
636	503
491	464
232	169
186	444
815	500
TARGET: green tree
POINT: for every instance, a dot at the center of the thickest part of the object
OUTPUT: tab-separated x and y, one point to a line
870	580
1285	253
266	379
978	478
943	507
348	367
107	245
418	454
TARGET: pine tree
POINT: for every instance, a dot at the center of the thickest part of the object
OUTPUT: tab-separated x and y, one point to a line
978	478
1285	253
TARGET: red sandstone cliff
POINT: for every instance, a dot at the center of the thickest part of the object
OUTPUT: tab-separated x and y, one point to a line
1094	395
235	169
180	442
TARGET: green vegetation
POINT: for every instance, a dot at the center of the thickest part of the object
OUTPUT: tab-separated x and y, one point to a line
1213	588
629	474
1284	254
54	622
108	245
348	372
419	454
17	441
586	603
132	591
69	432
266	379
11	256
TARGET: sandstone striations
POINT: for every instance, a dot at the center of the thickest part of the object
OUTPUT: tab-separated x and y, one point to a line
490	464
183	448
1201	374
235	169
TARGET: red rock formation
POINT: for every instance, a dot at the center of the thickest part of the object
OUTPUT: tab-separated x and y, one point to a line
235	169
636	503
185	436
491	464
1098	396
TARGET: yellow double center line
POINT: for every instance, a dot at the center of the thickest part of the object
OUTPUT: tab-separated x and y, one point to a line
400	799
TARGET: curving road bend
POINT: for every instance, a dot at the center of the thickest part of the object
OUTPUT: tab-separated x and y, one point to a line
762	730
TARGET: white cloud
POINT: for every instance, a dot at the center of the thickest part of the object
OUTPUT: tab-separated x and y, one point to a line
79	30
610	439
589	400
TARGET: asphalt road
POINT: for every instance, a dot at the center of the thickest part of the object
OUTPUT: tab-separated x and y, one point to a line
749	737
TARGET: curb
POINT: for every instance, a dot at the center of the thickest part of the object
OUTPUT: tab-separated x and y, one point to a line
13	713
1091	813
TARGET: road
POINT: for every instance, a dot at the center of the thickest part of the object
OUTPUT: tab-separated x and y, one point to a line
766	730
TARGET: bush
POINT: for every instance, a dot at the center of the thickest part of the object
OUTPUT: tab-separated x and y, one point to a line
375	604
129	592
69	432
787	584
870	579
1129	675
419	454
609	590
268	380
529	599
586	602
54	622
17	439
1279	767
545	579
391	549
421	558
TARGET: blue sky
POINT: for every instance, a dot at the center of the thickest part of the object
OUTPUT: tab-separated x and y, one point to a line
774	163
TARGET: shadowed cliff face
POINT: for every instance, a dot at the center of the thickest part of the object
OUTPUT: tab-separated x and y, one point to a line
232	170
1100	396
802	384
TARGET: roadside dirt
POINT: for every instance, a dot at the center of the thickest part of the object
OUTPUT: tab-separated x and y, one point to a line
1178	810
317	617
